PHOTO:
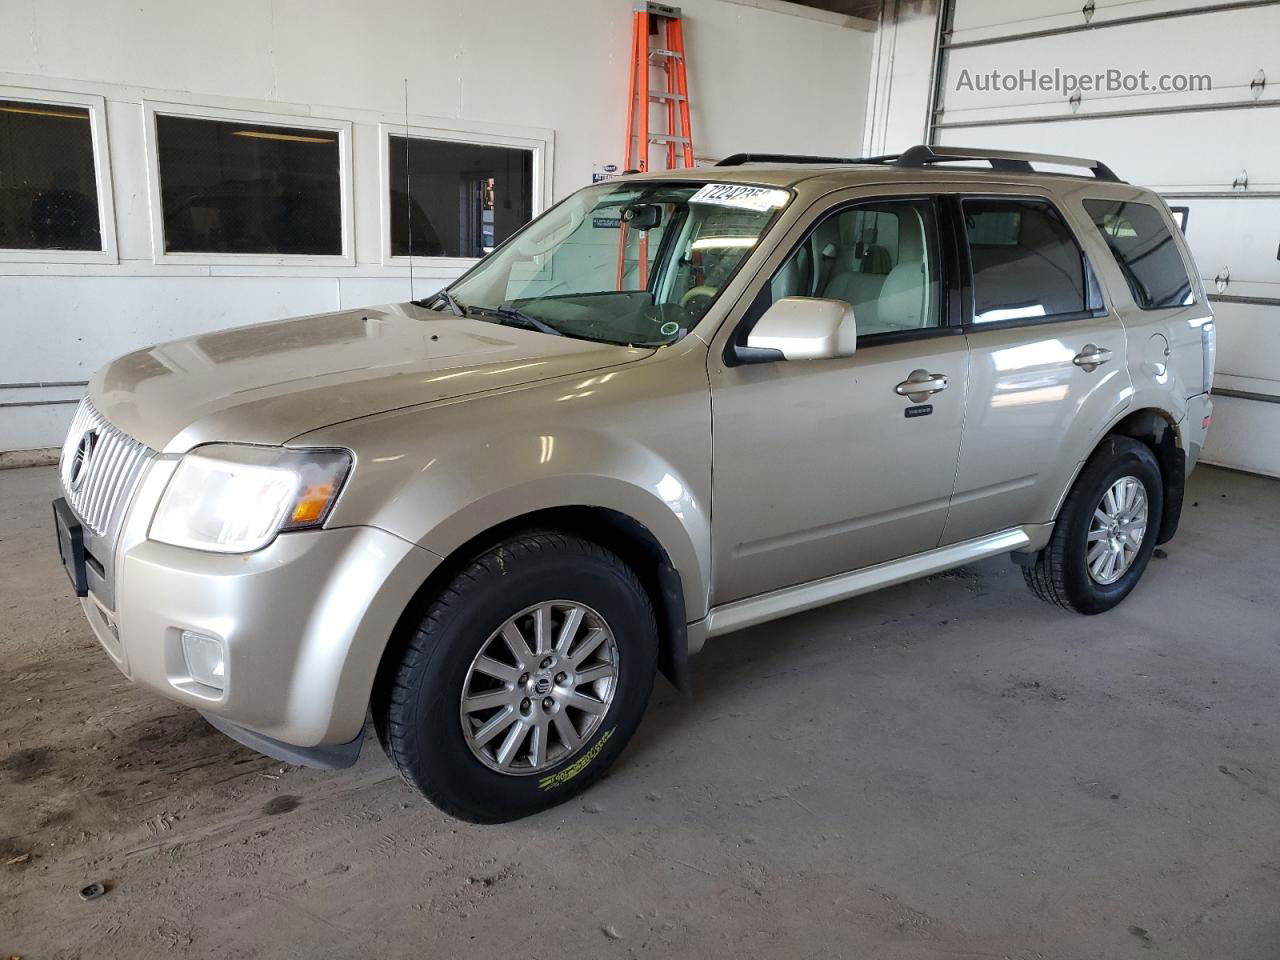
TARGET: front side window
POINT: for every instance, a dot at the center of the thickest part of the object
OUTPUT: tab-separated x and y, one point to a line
48	182
880	258
634	263
451	199
1026	262
1145	251
245	188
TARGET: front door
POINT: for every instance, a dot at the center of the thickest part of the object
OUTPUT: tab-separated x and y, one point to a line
826	466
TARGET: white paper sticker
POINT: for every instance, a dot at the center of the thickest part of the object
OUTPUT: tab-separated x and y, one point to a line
739	195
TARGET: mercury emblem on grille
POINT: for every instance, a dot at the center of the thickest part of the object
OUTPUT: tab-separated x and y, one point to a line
80	462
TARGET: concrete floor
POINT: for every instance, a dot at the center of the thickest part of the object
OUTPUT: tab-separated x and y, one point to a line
944	769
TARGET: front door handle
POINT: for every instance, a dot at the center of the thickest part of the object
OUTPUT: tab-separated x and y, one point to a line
920	385
1091	357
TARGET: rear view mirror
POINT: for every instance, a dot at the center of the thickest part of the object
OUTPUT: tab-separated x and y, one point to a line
642	216
803	328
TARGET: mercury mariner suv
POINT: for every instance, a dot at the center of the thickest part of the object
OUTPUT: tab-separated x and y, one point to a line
672	407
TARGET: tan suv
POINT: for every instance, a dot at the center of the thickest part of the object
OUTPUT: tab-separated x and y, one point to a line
671	407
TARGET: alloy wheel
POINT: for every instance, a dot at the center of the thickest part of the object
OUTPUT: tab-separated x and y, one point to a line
1116	530
539	687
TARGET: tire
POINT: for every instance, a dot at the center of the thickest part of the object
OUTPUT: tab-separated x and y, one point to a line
424	723
1060	573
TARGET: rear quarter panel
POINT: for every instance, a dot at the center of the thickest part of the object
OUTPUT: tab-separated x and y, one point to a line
1161	380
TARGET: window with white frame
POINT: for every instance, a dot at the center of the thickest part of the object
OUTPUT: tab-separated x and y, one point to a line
49	196
235	187
451	198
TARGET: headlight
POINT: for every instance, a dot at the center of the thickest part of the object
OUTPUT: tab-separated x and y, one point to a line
229	498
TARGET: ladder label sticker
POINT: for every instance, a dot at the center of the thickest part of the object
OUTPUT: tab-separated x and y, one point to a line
760	199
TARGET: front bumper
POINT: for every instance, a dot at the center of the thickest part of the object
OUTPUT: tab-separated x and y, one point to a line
303	624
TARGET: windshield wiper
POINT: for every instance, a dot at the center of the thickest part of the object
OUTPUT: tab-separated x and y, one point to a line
445	297
516	318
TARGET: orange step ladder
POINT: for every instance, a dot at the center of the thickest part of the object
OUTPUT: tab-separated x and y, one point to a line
657	41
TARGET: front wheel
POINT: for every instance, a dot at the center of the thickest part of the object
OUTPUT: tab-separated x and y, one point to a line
524	681
1105	532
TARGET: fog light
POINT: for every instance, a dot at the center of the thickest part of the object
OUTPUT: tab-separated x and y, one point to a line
206	660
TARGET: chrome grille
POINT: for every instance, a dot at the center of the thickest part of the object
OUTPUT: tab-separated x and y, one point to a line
100	467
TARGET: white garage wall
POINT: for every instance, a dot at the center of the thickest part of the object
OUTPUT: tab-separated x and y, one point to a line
764	75
902	75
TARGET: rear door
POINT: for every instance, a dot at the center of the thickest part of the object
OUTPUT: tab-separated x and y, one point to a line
823	466
1047	360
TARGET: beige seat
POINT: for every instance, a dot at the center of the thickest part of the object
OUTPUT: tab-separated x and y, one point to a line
858	282
903	303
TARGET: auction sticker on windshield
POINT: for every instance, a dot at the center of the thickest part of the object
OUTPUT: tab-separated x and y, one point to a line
738	195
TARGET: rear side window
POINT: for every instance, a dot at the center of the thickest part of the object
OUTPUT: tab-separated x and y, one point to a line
1146	252
1026	262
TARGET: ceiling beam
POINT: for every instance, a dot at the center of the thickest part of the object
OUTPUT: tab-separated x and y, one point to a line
863	9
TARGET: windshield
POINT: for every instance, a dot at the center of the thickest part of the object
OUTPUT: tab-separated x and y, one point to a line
632	263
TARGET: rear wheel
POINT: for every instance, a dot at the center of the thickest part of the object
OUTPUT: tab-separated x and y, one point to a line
1105	532
524	681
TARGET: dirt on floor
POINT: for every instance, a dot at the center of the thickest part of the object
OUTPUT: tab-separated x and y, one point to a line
945	769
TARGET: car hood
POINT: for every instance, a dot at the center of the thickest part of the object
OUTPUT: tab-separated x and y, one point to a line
274	381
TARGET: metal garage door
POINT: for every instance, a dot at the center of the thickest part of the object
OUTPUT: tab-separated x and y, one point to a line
1215	151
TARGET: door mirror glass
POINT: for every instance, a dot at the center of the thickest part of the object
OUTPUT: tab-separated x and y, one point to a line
804	328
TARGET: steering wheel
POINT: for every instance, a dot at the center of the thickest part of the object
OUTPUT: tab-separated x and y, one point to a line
694	292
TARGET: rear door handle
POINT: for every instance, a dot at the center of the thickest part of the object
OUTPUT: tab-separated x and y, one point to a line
1091	357
920	385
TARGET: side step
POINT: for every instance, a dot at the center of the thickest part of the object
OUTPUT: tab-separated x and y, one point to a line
818	593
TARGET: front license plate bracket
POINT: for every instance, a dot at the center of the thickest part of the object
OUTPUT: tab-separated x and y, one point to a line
71	546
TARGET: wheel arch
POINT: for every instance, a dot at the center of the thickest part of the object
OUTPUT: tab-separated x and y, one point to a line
1158	429
613	529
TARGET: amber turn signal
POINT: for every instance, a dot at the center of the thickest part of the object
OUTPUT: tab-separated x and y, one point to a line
311	503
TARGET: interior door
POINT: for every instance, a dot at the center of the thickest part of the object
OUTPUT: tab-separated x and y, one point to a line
1035	398
825	466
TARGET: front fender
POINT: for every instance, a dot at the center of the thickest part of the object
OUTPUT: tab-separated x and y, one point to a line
661	501
636	441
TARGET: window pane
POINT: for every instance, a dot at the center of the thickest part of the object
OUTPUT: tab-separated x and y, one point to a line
879	258
1026	262
466	198
231	187
1146	252
48	190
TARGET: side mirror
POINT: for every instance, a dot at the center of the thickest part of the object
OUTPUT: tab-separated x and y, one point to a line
803	328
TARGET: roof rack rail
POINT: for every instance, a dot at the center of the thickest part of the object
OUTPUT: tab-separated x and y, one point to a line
738	159
922	155
1006	160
